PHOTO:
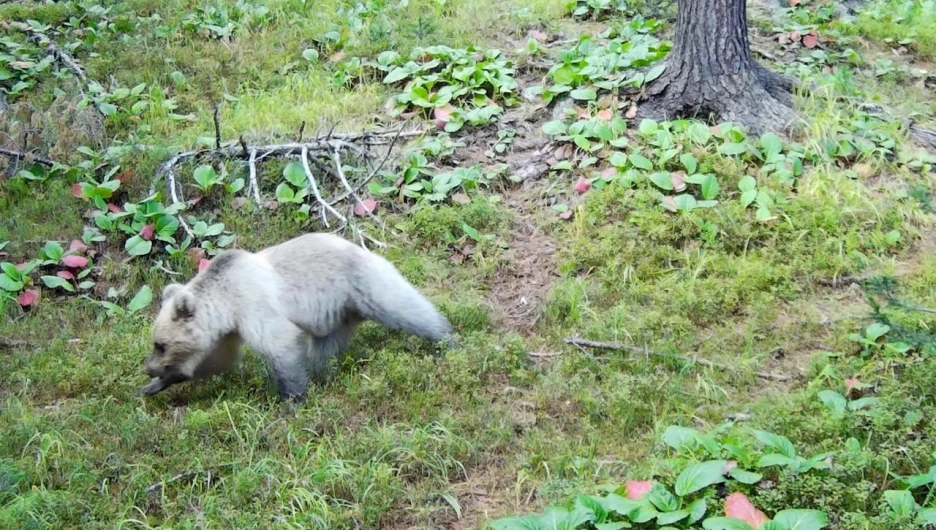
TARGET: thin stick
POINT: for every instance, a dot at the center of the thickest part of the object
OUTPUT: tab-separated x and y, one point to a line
643	351
217	125
337	159
253	175
308	171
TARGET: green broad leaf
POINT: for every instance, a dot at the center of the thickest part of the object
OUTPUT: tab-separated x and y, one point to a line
662	179
108	109
648	127
662	499
725	523
926	516
699	476
745	477
311	55
747	183
763	214
699	133
584	94
54	282
641	162
284	193
771	144
655	72
802	519
689	162
471	231
618	159
396	75
668	518
677	437
205	174
11	270
9	284
834	401
137	246
554	128
901	502
564	75
295	174
142	299
747	198
615	503
697	510
732	149
876	331
214	230
775	459
710	187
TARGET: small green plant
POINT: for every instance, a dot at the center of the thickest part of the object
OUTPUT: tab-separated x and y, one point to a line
840	405
784	455
141	300
296	188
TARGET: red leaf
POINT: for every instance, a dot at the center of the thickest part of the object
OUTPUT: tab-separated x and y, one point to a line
28	297
566	214
75	262
78	246
679	183
669	202
442	115
365	207
636	489
631	112
811	41
738	506
113	207
605	115
581	185
148	231
203	264
76	191
65	274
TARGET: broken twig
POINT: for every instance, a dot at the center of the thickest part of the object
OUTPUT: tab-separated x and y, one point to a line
578	342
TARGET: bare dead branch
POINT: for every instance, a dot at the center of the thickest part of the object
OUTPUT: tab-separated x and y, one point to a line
26	156
579	342
217	125
318	196
60	55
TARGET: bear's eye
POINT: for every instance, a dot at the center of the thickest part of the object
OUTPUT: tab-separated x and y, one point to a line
160	348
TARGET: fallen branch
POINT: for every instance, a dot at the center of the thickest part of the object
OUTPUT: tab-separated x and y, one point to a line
578	342
324	152
13	343
43	40
27	156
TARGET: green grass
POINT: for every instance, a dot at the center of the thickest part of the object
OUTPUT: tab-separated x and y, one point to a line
511	421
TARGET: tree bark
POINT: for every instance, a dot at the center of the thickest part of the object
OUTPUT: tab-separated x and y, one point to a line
710	73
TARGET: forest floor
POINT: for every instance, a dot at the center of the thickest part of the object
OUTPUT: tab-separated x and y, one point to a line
776	295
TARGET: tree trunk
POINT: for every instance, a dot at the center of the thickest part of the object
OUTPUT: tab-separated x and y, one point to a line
710	72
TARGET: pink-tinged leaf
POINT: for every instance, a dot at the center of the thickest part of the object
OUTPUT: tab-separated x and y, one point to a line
66	275
337	57
461	198
203	264
582	185
636	489
566	214
605	115
478	57
76	191
113	208
609	172
850	383
22	265
197	253
729	465
794	3
239	202
738	506
75	262
271	205
811	41
28	297
679	183
631	112
539	35
795	35
78	246
443	115
365	207
669	203
147	232
783	38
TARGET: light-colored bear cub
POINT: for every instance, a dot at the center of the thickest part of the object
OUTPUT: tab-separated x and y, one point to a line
297	304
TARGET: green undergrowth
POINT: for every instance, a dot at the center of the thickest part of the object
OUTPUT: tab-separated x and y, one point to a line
768	302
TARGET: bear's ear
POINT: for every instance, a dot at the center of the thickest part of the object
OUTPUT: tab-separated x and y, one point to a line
169	291
184	304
